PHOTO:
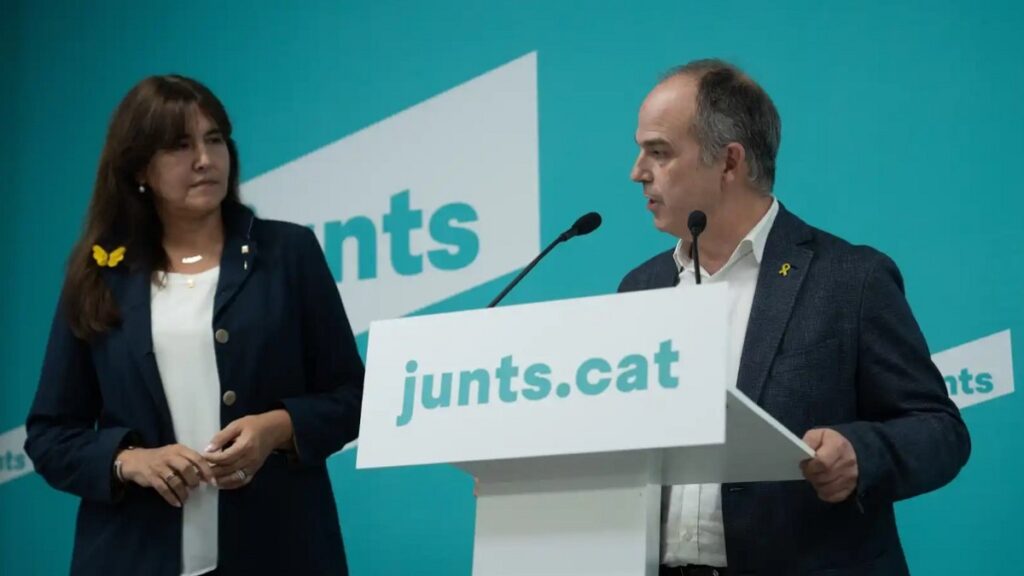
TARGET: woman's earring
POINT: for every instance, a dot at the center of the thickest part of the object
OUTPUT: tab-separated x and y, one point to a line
142	188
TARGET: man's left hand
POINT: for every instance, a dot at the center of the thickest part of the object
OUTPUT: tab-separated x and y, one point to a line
833	470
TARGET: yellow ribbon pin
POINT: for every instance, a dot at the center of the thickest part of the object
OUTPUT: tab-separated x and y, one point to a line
784	271
108	259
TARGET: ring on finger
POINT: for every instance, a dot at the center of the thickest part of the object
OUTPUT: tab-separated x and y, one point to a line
241	474
170	477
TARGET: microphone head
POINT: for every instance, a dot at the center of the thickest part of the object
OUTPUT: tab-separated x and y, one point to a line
586	224
697	222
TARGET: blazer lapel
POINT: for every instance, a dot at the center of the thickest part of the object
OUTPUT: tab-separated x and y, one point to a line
783	268
237	258
664	274
132	291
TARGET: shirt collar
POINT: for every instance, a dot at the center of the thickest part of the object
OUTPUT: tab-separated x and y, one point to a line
754	241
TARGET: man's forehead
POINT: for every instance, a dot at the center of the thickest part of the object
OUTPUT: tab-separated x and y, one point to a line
667	111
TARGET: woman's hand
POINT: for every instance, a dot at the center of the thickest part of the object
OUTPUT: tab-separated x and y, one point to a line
237	452
171	470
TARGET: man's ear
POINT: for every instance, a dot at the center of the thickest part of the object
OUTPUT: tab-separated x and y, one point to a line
735	168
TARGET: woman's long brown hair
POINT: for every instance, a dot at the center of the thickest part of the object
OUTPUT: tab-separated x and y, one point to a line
154	115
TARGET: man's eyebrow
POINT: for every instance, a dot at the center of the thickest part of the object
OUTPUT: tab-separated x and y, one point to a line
653	142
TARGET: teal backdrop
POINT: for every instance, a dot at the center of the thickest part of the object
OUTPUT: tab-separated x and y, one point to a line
902	129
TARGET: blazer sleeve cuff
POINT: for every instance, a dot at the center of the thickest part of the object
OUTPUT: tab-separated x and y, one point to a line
872	482
104	486
313	433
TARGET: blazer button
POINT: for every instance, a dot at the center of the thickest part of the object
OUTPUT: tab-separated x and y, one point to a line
221	336
230	397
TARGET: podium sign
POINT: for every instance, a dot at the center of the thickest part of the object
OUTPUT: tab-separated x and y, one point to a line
608	373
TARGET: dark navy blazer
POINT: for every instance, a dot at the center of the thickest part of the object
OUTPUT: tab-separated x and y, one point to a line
833	344
289	345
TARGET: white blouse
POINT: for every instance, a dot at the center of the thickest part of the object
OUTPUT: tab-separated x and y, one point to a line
182	317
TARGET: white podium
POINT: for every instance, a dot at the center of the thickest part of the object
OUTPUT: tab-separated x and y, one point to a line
572	414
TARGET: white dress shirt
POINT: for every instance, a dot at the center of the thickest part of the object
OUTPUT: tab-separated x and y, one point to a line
182	314
692	531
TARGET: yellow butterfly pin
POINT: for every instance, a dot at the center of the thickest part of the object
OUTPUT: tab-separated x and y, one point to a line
109	259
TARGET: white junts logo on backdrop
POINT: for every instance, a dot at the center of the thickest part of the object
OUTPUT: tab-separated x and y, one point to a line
979	370
430	202
14	463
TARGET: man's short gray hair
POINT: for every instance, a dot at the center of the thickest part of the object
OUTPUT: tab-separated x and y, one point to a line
731	107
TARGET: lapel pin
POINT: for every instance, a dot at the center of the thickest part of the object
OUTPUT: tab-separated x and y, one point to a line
784	270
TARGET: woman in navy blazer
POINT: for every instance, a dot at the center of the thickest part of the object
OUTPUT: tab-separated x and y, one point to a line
290	377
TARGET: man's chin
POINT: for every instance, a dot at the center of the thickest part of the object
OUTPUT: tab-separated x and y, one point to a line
662	225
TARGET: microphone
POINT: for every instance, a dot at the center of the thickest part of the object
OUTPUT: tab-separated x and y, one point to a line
696	223
584	225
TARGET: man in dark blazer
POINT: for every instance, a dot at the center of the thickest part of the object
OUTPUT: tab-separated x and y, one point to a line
827	344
